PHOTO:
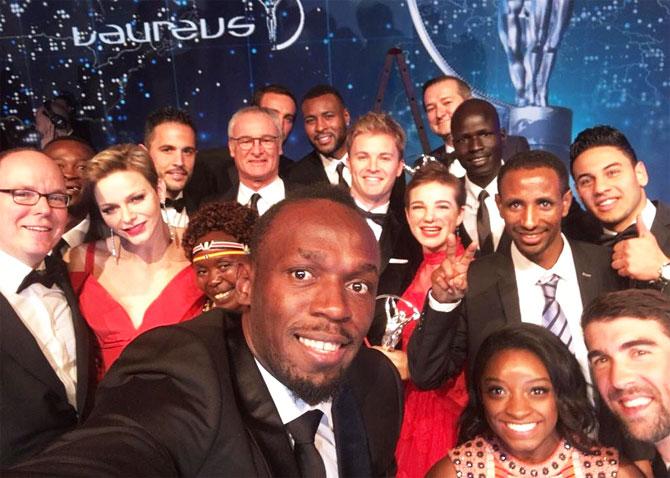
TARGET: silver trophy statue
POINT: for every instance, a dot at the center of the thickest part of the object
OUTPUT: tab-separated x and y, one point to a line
396	319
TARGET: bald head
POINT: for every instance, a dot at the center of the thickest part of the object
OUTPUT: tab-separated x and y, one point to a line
474	106
29	231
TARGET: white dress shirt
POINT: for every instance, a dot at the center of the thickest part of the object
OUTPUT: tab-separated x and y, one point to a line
330	166
174	218
47	316
75	236
531	297
648	215
376	228
291	407
270	195
472	205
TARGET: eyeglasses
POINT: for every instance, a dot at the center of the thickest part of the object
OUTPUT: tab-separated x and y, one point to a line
28	197
247	142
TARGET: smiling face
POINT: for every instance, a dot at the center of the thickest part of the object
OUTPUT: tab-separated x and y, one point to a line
440	100
326	121
216	276
130	206
71	157
630	360
478	141
432	214
520	404
532	206
259	165
285	108
28	233
311	289
611	188
172	149
375	163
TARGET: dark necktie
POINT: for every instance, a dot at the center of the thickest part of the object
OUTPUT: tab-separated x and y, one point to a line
253	202
177	204
340	176
610	240
46	277
303	429
376	217
60	248
553	317
484	226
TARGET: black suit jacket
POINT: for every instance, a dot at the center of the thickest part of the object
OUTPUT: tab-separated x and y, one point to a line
442	341
34	410
660	228
158	414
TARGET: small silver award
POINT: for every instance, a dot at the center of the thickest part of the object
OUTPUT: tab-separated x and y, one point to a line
396	318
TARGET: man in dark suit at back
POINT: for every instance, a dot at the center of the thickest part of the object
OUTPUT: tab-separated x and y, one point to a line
285	390
441	96
44	342
610	181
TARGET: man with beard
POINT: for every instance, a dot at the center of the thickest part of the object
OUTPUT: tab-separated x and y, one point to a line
220	397
628	337
326	120
71	154
170	139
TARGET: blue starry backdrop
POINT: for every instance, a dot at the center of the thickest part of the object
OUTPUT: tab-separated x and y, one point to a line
122	59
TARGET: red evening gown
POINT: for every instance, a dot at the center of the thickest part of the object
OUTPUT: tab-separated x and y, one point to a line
429	427
181	300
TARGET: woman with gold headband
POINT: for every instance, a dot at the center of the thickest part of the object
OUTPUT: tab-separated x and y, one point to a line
137	277
216	243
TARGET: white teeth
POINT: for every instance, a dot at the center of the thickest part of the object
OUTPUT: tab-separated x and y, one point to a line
637	402
38	228
319	345
224	295
522	427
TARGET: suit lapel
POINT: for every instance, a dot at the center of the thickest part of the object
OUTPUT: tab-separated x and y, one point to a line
17	341
256	405
350	435
588	283
661	226
318	167
388	237
507	288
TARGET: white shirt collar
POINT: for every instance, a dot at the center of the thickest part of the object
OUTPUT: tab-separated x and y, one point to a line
530	273
75	236
648	216
472	190
382	209
271	193
333	162
288	405
13	273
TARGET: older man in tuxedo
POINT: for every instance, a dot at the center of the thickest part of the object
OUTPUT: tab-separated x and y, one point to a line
285	390
44	342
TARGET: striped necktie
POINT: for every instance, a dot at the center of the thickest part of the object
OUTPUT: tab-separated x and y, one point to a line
553	317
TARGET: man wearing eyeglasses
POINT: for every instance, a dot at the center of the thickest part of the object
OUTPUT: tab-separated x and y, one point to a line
44	342
255	143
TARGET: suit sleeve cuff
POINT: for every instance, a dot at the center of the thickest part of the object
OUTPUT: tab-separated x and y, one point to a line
439	306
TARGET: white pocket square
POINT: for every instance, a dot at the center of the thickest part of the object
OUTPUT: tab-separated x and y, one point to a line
395	260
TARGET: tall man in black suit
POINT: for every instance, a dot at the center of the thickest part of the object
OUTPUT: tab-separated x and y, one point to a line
441	96
170	139
229	408
326	120
44	342
610	181
512	285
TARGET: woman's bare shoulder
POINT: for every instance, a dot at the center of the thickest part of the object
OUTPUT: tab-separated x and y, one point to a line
76	256
442	469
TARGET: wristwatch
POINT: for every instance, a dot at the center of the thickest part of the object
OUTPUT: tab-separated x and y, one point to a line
664	275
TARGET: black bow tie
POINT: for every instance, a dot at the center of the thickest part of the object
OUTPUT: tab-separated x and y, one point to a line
376	217
46	277
609	240
177	204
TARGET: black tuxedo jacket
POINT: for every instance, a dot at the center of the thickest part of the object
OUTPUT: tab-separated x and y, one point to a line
442	341
660	228
189	400
34	410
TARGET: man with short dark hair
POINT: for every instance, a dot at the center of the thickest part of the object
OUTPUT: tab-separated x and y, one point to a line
170	138
628	337
610	181
71	155
44	342
442	95
284	390
326	120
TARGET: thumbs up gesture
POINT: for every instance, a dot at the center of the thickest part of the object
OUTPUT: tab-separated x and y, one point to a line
450	279
639	258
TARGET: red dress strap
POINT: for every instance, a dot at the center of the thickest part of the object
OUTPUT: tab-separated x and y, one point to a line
89	262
